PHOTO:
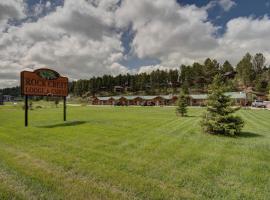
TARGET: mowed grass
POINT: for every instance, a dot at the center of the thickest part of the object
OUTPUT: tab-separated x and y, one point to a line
130	153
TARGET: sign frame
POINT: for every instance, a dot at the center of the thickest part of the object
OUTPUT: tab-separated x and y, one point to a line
43	82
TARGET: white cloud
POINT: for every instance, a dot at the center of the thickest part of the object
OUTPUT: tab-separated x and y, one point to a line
226	4
11	9
182	34
150	68
77	40
165	30
83	38
244	34
48	4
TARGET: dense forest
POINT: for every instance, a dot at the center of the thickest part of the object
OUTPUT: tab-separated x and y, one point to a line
14	91
250	72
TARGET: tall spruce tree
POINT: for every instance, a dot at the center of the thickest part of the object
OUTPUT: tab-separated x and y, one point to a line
182	103
245	71
219	118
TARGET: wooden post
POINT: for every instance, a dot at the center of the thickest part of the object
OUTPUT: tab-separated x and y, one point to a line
25	110
65	109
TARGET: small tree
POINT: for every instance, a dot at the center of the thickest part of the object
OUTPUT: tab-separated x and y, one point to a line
182	104
56	102
31	105
219	118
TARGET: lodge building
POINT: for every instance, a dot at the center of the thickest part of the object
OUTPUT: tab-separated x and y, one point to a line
239	98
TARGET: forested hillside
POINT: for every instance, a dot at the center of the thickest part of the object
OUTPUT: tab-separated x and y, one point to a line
251	71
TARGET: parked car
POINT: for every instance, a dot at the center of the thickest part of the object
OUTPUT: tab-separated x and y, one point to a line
258	104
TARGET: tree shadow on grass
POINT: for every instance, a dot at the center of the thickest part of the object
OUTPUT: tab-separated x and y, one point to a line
244	134
249	135
188	116
65	124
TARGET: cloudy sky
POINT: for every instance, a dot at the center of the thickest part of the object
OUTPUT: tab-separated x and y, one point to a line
84	38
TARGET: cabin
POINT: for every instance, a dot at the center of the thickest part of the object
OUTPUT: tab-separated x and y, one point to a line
197	99
169	99
135	100
118	89
8	98
102	101
238	98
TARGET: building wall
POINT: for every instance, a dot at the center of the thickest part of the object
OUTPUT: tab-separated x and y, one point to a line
8	98
203	102
158	101
197	102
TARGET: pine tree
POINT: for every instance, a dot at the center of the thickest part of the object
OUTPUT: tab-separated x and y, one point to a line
245	72
219	118
227	67
182	104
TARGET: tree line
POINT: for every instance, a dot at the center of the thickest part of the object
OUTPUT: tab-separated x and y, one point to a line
13	91
251	71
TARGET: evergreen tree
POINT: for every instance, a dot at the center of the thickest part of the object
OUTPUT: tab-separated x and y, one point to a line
210	68
227	67
258	63
182	104
245	72
219	118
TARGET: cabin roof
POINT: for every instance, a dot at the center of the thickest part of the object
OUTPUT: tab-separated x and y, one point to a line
233	95
104	98
236	95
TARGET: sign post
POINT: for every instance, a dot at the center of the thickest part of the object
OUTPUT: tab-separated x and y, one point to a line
43	82
25	110
65	109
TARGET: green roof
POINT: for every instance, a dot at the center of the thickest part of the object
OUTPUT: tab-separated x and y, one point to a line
233	95
198	96
236	95
117	97
167	97
131	97
103	98
148	97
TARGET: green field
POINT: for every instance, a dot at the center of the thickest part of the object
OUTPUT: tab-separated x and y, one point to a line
130	153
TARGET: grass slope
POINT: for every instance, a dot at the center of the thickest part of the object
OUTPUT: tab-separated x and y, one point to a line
130	153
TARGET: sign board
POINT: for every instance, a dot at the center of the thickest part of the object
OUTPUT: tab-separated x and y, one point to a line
43	82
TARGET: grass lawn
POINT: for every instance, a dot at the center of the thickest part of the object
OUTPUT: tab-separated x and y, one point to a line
130	153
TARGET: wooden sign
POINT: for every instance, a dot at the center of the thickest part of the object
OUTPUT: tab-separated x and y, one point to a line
43	82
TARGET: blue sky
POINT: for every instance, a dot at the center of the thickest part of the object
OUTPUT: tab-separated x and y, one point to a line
85	38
